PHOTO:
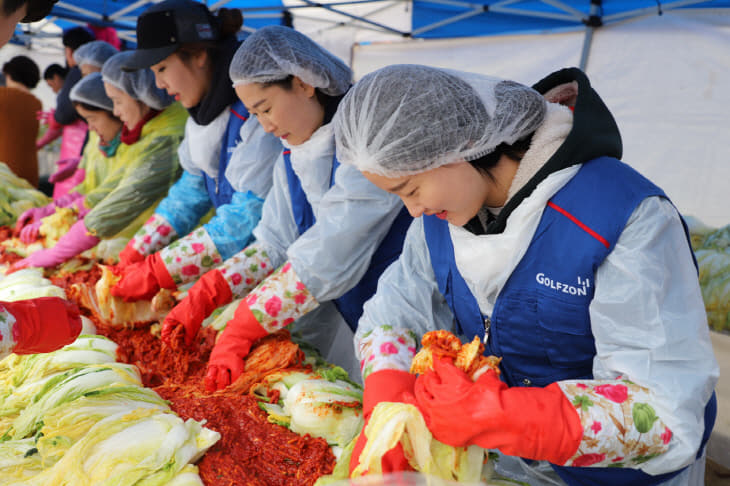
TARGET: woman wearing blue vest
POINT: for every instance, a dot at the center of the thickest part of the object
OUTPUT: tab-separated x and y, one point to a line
227	158
568	264
326	232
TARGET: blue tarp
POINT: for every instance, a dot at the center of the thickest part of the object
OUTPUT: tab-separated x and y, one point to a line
483	17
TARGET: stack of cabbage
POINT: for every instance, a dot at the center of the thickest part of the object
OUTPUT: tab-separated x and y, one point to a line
16	195
76	417
712	250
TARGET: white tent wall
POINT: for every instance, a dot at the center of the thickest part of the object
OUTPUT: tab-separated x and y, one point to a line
44	54
337	32
665	79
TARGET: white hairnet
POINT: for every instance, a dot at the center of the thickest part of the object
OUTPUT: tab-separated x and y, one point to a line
406	119
139	84
95	53
272	53
90	90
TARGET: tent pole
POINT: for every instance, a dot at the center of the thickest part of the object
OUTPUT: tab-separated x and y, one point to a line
593	21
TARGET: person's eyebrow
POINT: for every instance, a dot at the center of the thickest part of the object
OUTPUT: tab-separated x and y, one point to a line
257	104
399	186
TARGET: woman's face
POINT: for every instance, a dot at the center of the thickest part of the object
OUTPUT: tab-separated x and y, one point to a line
126	108
187	81
454	192
290	114
101	122
8	23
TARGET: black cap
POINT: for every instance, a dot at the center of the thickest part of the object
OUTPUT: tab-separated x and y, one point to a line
37	9
164	27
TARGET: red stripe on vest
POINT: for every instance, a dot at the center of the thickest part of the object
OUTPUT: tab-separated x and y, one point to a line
238	115
580	224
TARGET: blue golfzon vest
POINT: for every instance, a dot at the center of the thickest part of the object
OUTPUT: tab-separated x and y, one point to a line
350	304
540	325
220	190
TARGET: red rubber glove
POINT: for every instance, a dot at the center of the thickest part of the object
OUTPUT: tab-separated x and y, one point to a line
129	255
43	324
533	423
226	359
384	386
142	280
206	295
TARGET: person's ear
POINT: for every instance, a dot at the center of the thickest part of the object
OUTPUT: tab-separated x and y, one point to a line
307	89
200	59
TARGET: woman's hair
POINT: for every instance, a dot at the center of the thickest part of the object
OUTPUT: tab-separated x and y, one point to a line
76	37
23	70
230	21
328	102
87	106
53	70
515	151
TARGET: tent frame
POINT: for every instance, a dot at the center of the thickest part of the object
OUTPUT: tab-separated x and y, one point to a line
125	25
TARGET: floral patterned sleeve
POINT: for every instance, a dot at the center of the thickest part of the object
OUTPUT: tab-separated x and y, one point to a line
246	269
280	299
386	348
7	343
621	428
155	234
190	257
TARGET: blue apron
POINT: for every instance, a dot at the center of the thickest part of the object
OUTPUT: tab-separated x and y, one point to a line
540	325
350	304
219	189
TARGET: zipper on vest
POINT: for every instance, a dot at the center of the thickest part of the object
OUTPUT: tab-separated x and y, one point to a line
487	326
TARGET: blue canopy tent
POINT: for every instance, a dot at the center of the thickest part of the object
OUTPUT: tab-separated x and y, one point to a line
429	18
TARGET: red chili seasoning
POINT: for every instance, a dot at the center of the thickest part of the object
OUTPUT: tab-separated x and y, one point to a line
251	451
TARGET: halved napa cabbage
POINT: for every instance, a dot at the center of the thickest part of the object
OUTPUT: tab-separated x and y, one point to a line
19	461
309	403
391	423
145	447
27	283
69	386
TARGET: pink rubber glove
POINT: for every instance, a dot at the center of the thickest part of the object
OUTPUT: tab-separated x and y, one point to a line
71	244
66	168
45	117
29	233
33	215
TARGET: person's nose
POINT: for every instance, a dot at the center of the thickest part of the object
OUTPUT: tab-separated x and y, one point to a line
160	83
414	209
266	123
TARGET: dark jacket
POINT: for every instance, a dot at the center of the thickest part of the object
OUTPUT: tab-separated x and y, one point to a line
65	111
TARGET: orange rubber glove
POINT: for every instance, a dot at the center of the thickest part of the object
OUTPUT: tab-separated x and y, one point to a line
206	295
142	280
384	386
129	255
226	359
533	423
43	324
